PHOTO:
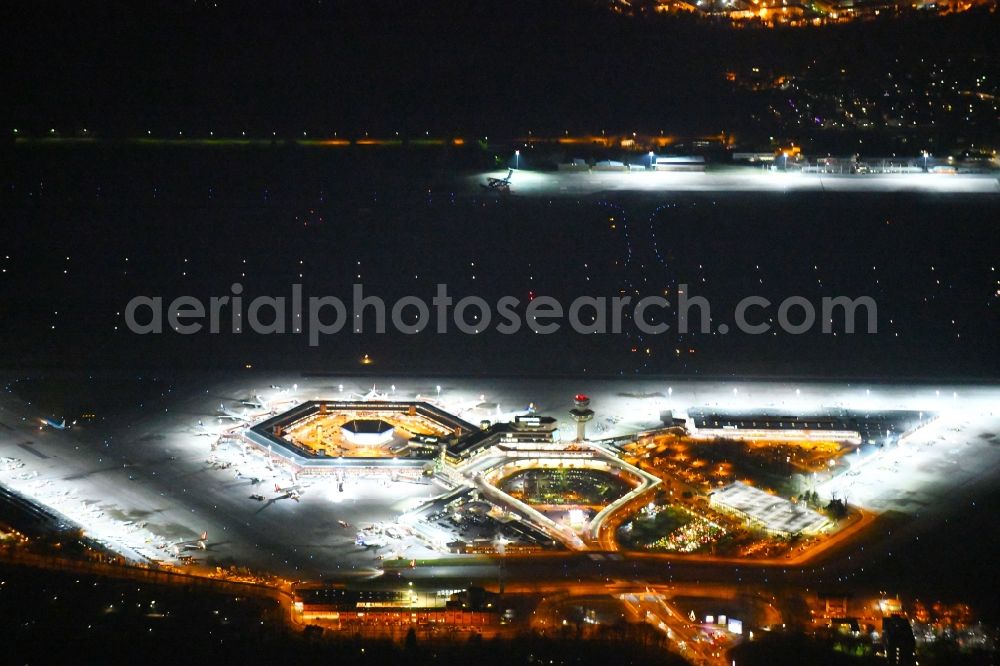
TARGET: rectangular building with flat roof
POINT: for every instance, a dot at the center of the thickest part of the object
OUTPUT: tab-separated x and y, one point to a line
775	514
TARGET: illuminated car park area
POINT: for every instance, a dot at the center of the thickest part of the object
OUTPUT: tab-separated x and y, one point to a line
160	482
557	487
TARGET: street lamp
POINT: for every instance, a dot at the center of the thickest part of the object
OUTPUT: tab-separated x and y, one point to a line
651	159
926	155
517	159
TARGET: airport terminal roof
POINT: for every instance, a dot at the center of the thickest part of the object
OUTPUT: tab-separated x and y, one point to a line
263	433
877	425
703	420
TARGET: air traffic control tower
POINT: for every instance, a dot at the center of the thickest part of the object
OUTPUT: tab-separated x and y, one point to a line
581	413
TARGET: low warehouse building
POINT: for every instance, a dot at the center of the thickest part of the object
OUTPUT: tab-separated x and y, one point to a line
775	515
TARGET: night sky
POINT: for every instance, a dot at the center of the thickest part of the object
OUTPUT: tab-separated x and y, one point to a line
449	67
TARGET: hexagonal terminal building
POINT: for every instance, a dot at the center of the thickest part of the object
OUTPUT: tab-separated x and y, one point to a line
337	437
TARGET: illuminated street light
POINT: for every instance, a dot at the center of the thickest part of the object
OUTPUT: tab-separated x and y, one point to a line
517	159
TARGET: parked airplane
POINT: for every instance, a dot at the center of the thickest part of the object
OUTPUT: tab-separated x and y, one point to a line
201	430
499	184
370	541
245	417
201	543
373	394
293	491
255	401
56	425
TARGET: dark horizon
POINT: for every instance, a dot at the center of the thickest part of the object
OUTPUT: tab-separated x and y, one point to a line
473	69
